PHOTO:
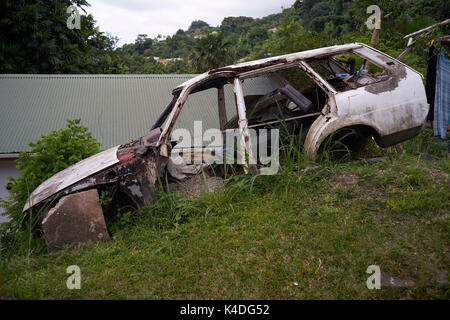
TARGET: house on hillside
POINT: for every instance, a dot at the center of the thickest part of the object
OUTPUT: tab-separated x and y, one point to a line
115	108
166	61
199	36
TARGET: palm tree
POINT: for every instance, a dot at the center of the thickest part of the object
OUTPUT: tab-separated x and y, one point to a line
211	52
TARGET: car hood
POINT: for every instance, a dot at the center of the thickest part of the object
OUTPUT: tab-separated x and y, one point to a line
72	175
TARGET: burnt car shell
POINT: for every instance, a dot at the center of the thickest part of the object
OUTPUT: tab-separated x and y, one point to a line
131	167
391	109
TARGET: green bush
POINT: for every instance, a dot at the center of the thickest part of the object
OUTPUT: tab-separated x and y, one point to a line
49	155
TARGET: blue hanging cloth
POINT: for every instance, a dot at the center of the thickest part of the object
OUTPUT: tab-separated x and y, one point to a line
442	96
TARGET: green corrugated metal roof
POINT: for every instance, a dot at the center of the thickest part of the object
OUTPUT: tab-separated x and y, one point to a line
115	108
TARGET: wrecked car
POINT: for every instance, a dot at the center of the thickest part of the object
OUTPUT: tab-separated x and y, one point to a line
320	92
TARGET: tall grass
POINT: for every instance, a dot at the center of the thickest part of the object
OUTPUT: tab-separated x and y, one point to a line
425	142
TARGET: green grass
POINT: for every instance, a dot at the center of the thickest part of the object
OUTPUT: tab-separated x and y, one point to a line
257	236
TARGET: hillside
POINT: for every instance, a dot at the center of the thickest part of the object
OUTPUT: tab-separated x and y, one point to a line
307	24
42	43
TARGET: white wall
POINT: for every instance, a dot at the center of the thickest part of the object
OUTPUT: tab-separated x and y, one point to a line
7	169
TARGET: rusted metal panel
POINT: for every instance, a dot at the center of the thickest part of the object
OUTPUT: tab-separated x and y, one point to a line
251	66
140	186
260	71
288	58
71	175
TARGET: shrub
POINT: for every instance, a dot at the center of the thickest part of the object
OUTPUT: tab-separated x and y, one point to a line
49	155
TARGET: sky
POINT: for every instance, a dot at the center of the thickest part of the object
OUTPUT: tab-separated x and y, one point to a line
128	18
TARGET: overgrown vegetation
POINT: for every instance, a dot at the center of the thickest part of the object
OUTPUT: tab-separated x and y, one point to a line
49	155
319	227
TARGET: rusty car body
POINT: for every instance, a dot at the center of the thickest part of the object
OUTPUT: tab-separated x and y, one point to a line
391	106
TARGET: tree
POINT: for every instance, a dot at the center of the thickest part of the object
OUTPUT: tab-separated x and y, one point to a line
211	52
320	9
197	25
257	34
235	25
34	38
303	7
143	43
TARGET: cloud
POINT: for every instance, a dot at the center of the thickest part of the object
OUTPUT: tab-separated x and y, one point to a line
128	18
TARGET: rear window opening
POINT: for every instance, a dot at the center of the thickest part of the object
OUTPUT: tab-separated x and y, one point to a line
348	71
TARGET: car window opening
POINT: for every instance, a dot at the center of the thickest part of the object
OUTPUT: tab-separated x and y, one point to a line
348	71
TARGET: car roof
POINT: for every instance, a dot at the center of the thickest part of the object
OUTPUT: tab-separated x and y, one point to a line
260	63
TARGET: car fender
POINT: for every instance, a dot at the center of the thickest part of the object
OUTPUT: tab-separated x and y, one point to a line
324	126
